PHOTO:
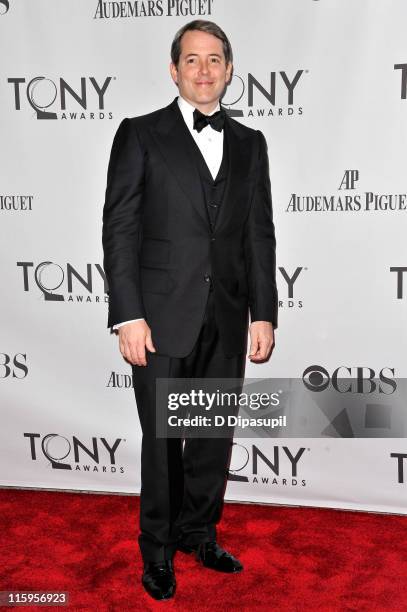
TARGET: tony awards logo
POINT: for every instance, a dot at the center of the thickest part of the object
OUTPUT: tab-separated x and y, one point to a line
63	453
279	465
58	99
58	284
272	94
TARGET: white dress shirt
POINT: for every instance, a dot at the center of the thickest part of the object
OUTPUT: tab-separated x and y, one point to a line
210	143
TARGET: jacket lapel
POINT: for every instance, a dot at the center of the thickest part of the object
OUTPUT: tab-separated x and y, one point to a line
174	140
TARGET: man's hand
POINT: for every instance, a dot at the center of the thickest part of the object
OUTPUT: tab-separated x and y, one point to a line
134	339
261	340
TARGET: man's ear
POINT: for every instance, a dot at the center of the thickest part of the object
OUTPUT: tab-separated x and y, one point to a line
229	72
174	73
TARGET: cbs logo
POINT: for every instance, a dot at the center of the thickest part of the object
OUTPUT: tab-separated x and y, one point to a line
350	379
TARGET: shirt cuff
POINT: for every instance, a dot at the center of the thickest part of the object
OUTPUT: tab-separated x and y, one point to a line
125	322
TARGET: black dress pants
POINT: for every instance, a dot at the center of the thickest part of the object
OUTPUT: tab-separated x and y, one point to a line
182	483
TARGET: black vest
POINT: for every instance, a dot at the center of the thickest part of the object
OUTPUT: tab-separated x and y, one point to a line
213	189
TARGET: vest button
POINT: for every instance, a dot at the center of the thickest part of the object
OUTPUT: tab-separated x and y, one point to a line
207	278
213	239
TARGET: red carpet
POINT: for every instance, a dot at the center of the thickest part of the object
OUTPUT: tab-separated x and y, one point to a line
296	559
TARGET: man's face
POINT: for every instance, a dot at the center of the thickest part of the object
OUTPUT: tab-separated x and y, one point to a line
202	73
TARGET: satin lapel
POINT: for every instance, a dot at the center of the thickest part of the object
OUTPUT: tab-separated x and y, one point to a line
239	163
174	141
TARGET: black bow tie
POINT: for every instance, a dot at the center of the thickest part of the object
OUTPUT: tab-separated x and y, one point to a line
216	121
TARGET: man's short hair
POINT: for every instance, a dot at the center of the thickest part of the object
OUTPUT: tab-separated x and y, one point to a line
203	26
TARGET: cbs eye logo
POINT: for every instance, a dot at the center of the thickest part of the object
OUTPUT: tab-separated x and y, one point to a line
316	378
4	6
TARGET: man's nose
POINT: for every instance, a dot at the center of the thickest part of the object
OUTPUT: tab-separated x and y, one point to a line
203	67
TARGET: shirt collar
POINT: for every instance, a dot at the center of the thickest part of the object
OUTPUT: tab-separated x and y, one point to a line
187	111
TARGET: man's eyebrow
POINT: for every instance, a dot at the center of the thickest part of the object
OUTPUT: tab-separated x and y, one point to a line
196	54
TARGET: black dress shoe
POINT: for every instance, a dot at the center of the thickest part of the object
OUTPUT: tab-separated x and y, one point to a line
159	579
211	555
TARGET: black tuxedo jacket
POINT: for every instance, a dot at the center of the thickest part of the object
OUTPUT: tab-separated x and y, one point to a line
159	249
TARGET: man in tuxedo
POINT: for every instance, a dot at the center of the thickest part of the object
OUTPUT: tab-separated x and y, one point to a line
189	251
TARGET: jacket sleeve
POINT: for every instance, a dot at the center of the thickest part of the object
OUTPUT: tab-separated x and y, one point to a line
122	225
260	245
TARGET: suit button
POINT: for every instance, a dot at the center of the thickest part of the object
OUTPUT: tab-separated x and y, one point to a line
214	205
213	239
207	278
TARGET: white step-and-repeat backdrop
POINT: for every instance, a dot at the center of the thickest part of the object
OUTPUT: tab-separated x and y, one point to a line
326	82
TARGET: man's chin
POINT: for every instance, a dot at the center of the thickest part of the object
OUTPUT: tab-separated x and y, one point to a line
206	99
